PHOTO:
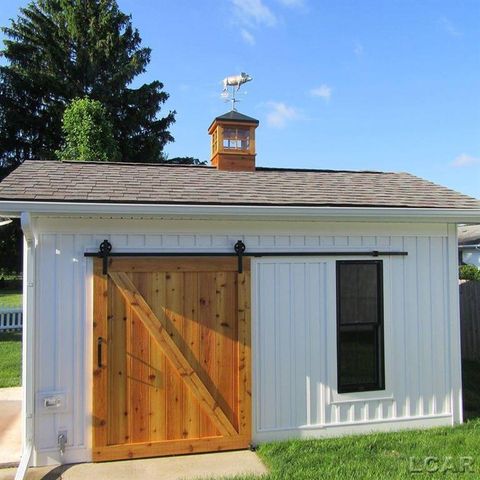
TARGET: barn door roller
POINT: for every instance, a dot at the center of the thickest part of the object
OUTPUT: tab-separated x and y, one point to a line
105	252
240	250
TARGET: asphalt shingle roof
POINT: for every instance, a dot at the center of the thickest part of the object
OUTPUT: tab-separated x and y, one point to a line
177	184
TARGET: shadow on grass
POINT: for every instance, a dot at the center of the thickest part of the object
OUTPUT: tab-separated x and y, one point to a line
471	389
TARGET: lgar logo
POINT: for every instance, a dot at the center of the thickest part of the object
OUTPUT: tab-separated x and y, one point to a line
441	464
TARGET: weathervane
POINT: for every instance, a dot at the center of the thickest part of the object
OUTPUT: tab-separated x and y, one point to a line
234	82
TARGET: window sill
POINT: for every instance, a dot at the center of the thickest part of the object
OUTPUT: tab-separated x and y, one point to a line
367	396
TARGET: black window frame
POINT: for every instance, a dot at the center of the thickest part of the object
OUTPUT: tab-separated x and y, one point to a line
378	326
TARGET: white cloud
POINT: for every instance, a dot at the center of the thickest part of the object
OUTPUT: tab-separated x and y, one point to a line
251	15
254	12
323	91
449	27
358	49
465	160
247	37
280	114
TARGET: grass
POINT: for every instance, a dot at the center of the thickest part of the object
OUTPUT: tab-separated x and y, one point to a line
10	359
10	298
378	456
382	456
10	345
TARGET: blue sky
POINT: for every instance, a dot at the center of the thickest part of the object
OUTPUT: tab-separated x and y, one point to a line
383	85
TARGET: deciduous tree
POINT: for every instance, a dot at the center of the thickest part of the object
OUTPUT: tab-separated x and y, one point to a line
88	134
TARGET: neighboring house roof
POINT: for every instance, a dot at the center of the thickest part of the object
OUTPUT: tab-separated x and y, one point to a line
469	235
177	184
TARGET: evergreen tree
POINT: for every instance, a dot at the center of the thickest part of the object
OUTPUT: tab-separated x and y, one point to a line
11	243
59	50
88	133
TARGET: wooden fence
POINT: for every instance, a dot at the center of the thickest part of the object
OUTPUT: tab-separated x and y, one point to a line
10	319
470	319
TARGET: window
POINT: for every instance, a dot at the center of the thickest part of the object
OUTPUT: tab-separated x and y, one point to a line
360	359
214	142
236	138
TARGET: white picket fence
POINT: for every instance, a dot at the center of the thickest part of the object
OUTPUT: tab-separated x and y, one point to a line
10	319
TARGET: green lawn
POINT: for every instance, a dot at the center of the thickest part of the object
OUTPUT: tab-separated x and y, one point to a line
10	298
400	455
10	344
10	359
380	456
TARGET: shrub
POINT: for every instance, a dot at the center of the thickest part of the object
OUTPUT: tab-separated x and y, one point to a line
469	272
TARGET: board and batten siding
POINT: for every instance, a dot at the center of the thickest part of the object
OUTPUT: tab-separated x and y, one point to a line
295	347
293	318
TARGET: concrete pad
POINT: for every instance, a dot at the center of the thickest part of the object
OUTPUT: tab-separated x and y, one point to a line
10	425
11	393
185	467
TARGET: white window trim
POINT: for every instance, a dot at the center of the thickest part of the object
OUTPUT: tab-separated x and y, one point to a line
373	395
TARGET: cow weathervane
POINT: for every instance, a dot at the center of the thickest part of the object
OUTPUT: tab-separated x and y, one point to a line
231	85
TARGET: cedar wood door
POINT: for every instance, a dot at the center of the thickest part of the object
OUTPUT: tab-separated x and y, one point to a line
171	367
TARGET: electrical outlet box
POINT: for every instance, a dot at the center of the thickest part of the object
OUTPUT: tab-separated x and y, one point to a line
52	402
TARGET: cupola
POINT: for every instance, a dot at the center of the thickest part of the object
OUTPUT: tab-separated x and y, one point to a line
233	142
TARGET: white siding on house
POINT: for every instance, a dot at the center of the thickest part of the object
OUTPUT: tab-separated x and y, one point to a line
471	257
294	349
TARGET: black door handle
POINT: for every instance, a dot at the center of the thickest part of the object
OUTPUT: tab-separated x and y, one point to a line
99	352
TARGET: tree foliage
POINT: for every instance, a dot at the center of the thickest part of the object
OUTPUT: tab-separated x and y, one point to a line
88	134
469	272
11	239
185	161
59	50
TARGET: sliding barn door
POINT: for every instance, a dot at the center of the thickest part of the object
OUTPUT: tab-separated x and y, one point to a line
171	357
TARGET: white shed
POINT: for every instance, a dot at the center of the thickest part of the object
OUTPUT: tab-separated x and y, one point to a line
175	309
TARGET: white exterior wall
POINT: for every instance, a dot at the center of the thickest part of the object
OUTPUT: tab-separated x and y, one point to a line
293	318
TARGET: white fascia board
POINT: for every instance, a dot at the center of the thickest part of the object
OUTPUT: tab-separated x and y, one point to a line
14	209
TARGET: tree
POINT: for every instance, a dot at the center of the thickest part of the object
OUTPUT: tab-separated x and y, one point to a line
469	272
11	242
185	161
88	133
59	50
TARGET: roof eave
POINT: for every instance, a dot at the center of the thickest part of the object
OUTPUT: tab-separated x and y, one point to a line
305	213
